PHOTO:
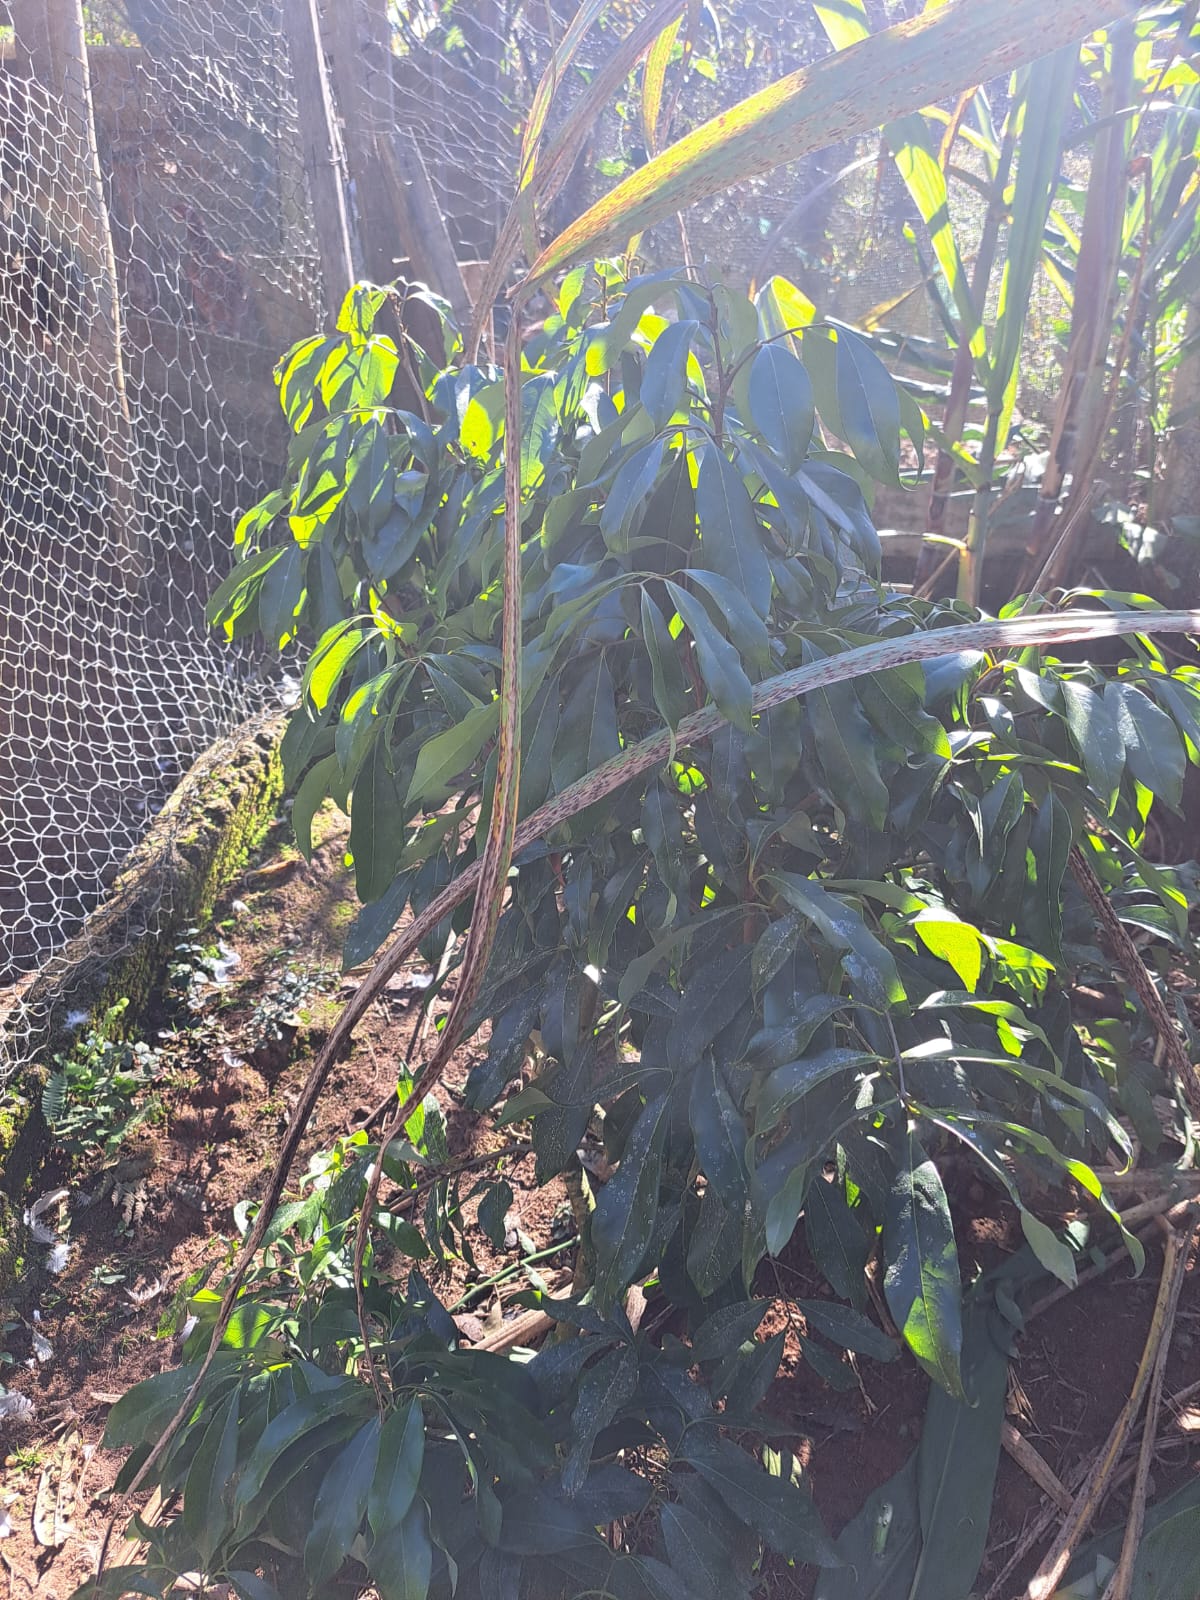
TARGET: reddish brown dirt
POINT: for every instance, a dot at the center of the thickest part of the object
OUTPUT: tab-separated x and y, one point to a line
220	1130
222	1118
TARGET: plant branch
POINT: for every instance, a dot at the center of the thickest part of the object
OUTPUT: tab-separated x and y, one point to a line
502	826
1182	1067
1019	632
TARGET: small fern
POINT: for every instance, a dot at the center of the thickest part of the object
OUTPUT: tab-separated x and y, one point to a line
96	1096
54	1100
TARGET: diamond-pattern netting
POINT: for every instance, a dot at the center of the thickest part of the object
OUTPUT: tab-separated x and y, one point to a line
166	215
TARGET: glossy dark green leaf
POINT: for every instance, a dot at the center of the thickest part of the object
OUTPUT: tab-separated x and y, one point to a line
240	590
714	993
666	670
377	817
719	662
880	1546
838	1243
856	397
828	1365
206	1509
868	964
698	1552
774	947
303	1418
746	1379
538	1522
249	1586
848	751
742	625
603	1390
921	1279
448	755
329	661
730	538
662	830
894	701
401	1558
587	728
715	1246
1153	748
142	1412
776	1508
341	1501
310	796
626	1207
781	403
795	1079
720	1132
280	595
668	529
956	1464
493	1210
664	382
773	1047
847	1327
727	1330
660	1581
1095	736
540	428
374	922
1050	841
631	489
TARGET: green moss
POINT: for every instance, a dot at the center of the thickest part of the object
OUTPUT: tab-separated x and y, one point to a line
197	845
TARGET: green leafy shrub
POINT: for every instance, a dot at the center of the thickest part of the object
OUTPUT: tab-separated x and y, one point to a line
791	967
97	1095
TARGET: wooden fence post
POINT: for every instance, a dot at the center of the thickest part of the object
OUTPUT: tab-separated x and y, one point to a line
398	209
322	150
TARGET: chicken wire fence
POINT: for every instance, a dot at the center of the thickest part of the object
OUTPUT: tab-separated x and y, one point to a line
160	245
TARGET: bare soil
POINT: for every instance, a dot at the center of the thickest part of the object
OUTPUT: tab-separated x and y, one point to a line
226	1088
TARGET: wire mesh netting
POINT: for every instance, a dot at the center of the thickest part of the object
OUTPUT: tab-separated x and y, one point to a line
160	246
152	274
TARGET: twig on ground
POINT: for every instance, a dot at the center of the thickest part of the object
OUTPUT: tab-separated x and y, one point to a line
1099	1479
1043	1520
1034	1466
1150	1179
1175	1260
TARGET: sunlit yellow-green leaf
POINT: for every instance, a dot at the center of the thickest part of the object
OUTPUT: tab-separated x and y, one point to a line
873	83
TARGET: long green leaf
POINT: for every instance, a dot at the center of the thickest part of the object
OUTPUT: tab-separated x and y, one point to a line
1048	100
921	1281
956	1465
883	78
341	1501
